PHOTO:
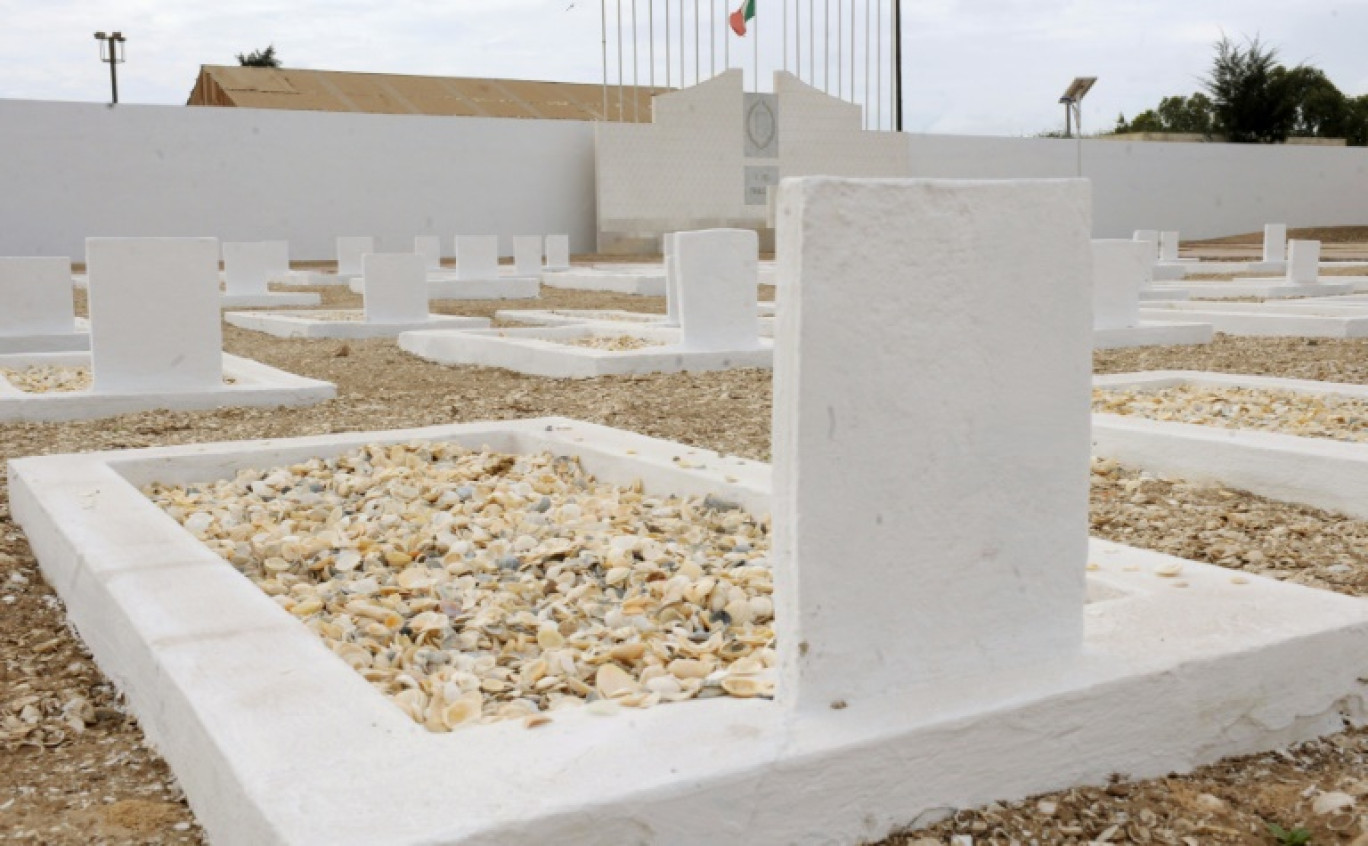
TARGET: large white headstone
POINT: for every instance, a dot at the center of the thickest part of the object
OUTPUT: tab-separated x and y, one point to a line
930	455
430	248
477	257
1168	246
396	288
1275	242
1121	269
35	296
350	249
557	252
716	270
154	314
1303	262
527	255
249	266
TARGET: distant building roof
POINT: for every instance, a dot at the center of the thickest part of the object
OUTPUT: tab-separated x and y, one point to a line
398	94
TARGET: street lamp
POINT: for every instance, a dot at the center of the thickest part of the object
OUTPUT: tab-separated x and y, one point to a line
112	51
1073	97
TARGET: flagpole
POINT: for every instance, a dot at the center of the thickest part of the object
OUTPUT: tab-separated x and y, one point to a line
603	21
667	43
826	46
650	48
726	41
619	55
878	64
636	82
798	38
853	4
865	99
712	38
683	47
698	53
756	19
785	2
897	62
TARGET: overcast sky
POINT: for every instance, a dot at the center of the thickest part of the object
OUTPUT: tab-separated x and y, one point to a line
970	66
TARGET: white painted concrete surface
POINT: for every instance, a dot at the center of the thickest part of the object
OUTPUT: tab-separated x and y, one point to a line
35	297
252	384
1120	270
250	266
558	252
325	324
1283	324
1303	262
248	706
527	255
1154	333
477	257
395	288
174	347
1275	242
638	282
430	248
717	289
1319	472
350	249
932	491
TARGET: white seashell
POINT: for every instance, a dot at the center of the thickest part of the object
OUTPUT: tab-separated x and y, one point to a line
612	682
1169	569
745	687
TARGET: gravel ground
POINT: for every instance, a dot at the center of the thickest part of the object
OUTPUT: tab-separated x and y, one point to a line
76	769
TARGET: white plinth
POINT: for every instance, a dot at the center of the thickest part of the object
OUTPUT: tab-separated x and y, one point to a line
544	351
77	339
1271	288
331	324
253	384
1319	472
350	249
1153	333
1261	323
643	283
276	740
557	252
270	299
445	286
1121	270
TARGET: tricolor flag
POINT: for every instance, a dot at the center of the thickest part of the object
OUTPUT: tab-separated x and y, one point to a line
741	15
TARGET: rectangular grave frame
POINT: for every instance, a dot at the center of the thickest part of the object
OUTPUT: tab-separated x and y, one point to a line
542	351
275	740
255	384
309	324
1320	472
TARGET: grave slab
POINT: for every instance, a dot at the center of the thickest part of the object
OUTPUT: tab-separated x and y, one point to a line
1272	324
1319	472
247	705
1275	243
37	313
527	256
342	323
243	383
642	283
1271	288
557	252
249	267
477	257
1154	333
350	249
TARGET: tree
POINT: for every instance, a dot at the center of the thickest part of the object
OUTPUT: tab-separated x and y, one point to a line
260	58
1322	111
1251	102
1174	114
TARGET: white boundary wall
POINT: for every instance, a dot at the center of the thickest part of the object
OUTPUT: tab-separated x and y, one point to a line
91	170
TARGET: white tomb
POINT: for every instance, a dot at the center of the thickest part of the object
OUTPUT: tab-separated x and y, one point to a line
557	252
350	249
1301	279
37	313
671	278
395	287
1151	237
636	279
1275	243
936	597
527	256
1303	262
1121	271
248	269
430	248
718	314
478	276
145	358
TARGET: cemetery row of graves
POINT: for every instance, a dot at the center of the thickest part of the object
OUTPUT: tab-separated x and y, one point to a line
713	547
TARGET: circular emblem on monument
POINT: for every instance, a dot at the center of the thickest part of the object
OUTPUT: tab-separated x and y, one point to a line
760	125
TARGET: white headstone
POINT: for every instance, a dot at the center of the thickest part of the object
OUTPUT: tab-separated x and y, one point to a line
1303	262
154	314
1168	246
527	255
277	256
35	296
1151	237
1275	242
671	279
1120	269
931	455
430	248
350	249
477	257
396	288
249	266
557	252
716	269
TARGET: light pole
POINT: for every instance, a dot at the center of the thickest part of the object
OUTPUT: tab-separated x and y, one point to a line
112	51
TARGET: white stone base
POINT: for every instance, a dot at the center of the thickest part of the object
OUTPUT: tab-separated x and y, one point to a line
1272	289
575	316
306	324
1273	267
77	339
276	740
254	384
1153	334
1169	272
1319	472
272	299
645	283
542	351
447	287
312	277
1163	292
1281	324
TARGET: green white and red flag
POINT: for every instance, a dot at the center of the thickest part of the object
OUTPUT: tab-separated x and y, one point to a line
741	16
